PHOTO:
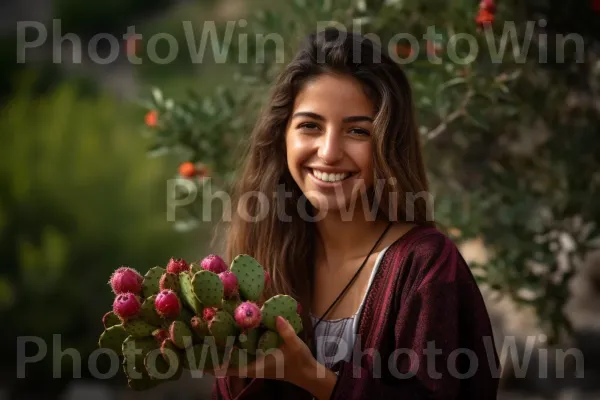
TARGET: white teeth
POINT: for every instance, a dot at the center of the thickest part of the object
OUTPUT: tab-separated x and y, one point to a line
324	176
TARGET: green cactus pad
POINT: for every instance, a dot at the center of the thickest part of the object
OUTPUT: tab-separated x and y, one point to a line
204	356
185	316
187	293
170	281
167	347
151	281
229	305
249	340
180	334
208	288
138	379
112	338
110	319
267	341
222	326
135	350
157	366
296	322
148	312
279	305
201	330
250	275
195	267
138	328
240	357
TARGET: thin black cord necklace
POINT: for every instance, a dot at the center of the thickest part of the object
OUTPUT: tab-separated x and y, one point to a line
354	277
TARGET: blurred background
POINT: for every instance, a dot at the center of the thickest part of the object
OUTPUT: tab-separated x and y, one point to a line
92	131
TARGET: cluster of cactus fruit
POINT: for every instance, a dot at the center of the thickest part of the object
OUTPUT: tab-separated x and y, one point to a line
192	317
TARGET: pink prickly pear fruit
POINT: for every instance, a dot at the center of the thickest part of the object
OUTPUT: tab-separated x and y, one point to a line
177	265
230	284
247	315
126	306
126	279
299	308
160	335
267	279
167	304
213	263
209	313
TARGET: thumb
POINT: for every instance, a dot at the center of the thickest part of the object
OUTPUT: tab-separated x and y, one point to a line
285	329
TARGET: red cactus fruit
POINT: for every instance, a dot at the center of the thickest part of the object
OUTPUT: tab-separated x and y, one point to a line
167	304
126	279
177	265
208	313
213	263
126	306
230	284
160	335
247	315
299	308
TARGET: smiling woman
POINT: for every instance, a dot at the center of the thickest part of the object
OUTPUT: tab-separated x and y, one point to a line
389	306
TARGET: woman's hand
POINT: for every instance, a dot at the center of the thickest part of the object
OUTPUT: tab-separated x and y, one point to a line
292	362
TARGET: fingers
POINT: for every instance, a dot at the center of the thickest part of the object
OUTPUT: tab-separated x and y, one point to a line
285	329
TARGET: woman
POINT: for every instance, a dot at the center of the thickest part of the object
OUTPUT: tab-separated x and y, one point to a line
389	307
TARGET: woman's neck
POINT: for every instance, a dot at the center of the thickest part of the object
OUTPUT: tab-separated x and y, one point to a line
341	239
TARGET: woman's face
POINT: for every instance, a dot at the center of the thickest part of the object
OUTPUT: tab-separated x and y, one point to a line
329	143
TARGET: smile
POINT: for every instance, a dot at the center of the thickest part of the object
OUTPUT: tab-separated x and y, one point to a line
330	177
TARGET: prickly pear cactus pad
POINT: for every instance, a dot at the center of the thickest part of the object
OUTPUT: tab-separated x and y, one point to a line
138	328
250	275
279	305
268	340
148	313
222	327
208	288
150	284
187	293
112	338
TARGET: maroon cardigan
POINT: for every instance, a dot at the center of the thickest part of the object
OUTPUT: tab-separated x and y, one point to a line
423	293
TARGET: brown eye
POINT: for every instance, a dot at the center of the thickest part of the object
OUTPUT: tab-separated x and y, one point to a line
308	125
360	131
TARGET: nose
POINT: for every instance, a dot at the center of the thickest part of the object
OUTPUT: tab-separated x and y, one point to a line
331	147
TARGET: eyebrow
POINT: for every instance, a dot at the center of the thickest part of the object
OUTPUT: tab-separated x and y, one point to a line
354	118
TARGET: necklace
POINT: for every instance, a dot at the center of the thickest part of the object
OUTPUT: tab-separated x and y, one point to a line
354	277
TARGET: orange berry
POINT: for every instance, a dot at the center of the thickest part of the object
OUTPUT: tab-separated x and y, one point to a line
187	169
151	118
484	17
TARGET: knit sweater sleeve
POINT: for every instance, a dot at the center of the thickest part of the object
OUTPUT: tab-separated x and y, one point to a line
438	345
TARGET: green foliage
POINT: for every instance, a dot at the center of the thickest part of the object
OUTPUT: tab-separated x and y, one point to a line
78	198
93	17
510	161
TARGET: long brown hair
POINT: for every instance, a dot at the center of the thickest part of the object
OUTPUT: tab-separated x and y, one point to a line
287	249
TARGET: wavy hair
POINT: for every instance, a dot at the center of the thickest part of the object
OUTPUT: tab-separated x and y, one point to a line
287	248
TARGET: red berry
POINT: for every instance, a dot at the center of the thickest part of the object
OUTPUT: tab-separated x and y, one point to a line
151	118
187	170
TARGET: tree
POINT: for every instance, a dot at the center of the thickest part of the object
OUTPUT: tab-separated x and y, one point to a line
509	129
